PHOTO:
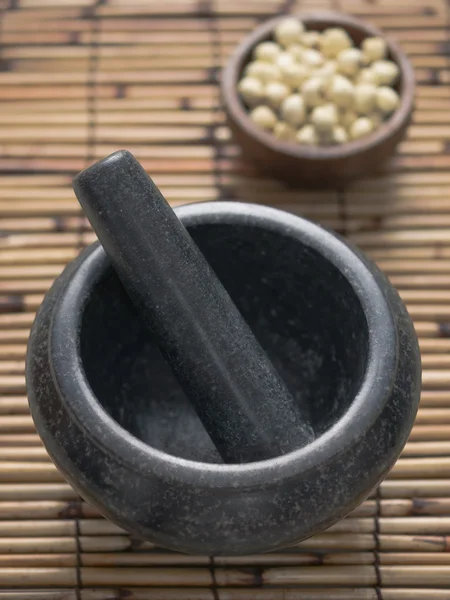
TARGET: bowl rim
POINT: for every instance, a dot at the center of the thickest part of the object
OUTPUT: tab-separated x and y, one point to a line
85	409
236	110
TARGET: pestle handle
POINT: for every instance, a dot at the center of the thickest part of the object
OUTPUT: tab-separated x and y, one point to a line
240	398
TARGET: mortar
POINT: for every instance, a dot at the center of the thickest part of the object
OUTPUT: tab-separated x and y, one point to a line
119	426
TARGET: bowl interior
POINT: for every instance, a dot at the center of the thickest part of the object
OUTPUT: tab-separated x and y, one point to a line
301	308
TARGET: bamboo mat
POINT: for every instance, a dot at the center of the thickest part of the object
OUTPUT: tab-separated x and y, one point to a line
79	80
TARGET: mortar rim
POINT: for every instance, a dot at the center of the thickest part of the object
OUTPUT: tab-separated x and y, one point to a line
87	411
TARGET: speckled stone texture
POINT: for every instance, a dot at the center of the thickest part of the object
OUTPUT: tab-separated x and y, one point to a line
241	399
115	420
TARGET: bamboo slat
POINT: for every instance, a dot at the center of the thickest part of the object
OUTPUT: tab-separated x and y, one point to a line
237	594
78	80
354	575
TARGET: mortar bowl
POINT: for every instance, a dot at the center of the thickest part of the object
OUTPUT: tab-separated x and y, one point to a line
118	425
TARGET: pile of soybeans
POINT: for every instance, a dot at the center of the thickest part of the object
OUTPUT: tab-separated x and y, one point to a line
318	88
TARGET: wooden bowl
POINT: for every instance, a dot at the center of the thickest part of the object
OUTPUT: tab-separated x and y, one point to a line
318	165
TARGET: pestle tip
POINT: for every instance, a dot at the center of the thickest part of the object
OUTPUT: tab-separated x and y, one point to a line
116	160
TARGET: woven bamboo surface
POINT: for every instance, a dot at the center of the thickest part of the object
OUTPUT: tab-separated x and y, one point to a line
79	80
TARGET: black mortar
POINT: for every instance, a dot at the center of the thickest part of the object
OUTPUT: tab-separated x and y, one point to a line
119	426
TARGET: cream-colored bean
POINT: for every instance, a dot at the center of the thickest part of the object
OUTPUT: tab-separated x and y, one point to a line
364	98
312	58
251	90
341	91
347	117
374	48
326	71
264	117
275	93
387	99
267	51
288	31
339	135
313	91
360	128
294	75
333	41
324	118
310	39
296	51
348	61
293	110
284	132
367	75
376	119
386	71
264	71
307	135
284	59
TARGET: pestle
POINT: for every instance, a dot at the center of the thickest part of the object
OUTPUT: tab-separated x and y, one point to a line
241	400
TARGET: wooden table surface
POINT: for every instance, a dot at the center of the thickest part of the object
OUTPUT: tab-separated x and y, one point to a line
80	79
